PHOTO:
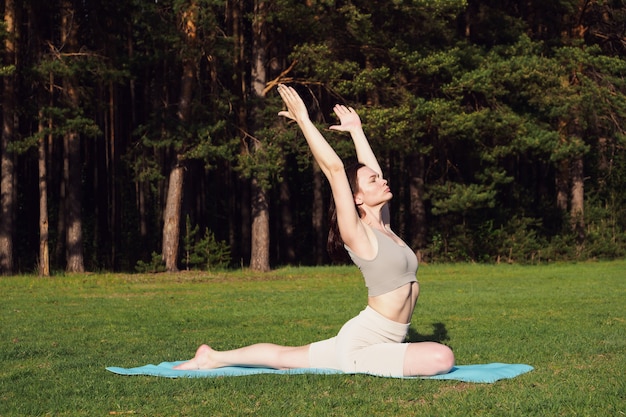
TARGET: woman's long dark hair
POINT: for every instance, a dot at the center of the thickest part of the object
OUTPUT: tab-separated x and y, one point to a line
334	244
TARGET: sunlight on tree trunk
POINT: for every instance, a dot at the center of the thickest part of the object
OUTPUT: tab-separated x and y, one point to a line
171	219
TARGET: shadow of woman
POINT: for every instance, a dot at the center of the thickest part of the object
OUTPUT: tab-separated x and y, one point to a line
440	334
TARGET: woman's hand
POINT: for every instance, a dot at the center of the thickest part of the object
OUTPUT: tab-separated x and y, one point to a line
296	109
348	118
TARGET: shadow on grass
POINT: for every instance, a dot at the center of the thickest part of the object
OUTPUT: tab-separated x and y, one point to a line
440	334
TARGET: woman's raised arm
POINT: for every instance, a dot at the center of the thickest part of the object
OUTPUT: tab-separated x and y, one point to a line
331	165
351	122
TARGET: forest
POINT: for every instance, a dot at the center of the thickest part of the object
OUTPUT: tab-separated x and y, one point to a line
142	135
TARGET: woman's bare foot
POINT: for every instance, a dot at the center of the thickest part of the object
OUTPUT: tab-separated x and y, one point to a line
202	360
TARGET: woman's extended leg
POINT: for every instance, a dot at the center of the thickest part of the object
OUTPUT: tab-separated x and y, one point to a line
261	354
427	358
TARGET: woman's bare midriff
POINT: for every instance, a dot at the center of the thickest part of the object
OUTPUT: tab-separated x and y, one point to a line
397	305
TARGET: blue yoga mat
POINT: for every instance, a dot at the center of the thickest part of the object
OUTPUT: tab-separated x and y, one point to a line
483	373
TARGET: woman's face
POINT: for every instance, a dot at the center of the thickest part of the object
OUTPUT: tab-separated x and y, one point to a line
373	190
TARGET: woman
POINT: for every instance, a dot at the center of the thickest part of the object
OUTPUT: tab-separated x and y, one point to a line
372	342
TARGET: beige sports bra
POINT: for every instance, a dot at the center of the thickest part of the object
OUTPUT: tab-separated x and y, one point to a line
393	266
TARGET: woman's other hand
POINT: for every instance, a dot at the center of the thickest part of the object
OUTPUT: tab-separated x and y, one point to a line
348	118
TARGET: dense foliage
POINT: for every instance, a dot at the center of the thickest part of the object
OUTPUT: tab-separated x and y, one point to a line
500	125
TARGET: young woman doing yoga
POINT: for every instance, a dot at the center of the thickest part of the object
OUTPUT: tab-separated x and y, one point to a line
374	341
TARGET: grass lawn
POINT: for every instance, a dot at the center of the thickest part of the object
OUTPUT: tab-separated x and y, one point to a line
57	336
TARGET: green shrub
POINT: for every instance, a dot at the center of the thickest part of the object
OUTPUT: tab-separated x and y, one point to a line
155	265
206	253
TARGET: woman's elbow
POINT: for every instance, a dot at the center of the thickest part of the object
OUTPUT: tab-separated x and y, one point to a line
335	168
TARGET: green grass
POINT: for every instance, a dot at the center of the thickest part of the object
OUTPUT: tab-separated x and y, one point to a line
57	336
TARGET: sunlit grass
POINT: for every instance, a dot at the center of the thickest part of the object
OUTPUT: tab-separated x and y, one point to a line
59	334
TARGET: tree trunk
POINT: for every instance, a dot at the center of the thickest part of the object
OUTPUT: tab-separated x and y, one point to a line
74	230
44	223
171	226
577	210
562	175
171	219
113	214
562	185
44	251
59	247
74	224
576	165
7	166
260	256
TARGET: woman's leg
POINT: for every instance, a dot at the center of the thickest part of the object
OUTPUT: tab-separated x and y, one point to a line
427	358
262	354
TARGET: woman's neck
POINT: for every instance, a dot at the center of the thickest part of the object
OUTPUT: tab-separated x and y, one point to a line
373	218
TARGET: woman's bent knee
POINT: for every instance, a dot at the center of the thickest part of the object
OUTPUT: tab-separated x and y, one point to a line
428	358
445	359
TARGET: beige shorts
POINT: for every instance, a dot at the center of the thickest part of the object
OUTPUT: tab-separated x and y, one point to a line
369	343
